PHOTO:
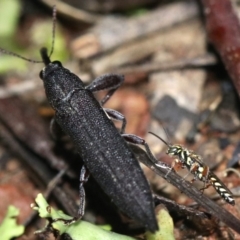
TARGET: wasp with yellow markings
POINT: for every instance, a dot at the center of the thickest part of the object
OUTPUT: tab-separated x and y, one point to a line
193	162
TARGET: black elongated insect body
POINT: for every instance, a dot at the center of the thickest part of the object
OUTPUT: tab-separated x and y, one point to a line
103	148
193	162
104	151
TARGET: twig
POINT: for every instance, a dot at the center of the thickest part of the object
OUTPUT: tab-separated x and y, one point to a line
114	31
184	210
201	61
72	12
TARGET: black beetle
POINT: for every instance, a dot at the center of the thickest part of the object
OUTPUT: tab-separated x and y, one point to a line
104	150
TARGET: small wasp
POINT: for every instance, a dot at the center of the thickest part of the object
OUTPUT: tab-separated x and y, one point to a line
193	162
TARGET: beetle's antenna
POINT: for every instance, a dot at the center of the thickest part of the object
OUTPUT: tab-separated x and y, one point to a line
45	58
43	51
54	19
18	56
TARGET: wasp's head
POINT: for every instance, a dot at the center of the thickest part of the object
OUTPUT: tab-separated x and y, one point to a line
174	150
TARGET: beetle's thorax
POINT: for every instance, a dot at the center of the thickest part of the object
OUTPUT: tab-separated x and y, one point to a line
59	82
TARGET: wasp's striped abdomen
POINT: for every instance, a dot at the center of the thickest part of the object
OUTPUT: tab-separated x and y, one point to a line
221	189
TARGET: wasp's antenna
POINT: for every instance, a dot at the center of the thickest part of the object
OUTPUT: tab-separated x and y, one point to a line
160	138
54	19
166	133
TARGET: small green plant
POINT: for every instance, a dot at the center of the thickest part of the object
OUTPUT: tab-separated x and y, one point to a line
9	227
78	230
166	226
87	231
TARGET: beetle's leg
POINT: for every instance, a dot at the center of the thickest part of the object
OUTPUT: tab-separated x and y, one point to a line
115	115
109	82
55	129
84	175
140	141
